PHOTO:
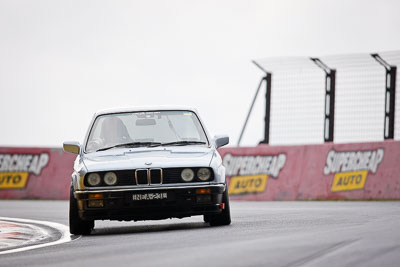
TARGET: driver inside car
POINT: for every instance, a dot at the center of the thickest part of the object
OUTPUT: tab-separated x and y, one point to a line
114	132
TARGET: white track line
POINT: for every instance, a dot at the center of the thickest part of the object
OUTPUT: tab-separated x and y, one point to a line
63	229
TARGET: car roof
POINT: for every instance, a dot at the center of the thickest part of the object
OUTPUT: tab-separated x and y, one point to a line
143	108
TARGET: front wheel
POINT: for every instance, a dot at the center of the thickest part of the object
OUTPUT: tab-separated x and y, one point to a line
224	218
77	226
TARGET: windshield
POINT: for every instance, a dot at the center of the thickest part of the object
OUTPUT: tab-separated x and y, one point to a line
145	129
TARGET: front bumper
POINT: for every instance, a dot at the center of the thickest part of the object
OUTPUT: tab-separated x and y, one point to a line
150	203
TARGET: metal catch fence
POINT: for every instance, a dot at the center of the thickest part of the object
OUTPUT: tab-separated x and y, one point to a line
341	98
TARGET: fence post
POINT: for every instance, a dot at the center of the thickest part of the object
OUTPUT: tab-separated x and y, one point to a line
390	94
268	86
330	86
248	114
267	78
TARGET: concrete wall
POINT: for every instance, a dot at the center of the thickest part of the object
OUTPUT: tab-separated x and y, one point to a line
327	171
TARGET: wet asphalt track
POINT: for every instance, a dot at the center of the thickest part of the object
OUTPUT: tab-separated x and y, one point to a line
262	234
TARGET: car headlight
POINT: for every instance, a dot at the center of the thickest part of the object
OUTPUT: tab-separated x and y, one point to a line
94	179
203	174
110	178
187	175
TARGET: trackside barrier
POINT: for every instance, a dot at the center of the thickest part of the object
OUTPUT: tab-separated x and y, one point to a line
326	171
35	173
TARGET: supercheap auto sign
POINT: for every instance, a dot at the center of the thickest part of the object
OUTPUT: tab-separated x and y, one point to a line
350	168
15	168
249	174
35	173
320	171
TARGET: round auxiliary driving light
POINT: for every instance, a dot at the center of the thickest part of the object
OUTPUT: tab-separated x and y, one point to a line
110	178
94	179
187	175
204	174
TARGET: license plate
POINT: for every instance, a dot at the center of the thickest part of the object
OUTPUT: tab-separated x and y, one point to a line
149	196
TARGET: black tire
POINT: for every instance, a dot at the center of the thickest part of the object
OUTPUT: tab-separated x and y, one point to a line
224	218
77	226
206	218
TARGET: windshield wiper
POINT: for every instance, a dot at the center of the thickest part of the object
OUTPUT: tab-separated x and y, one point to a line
184	143
132	144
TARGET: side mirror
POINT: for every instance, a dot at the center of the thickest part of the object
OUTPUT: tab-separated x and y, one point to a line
72	147
221	140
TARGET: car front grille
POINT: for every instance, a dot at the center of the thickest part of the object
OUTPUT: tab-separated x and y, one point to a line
156	176
148	176
141	177
152	176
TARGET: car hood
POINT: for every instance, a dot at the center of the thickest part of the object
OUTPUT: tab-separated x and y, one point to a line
144	157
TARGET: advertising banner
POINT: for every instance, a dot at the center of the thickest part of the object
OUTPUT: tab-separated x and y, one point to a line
35	173
326	171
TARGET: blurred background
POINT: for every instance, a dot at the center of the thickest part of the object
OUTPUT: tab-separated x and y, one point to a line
60	61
